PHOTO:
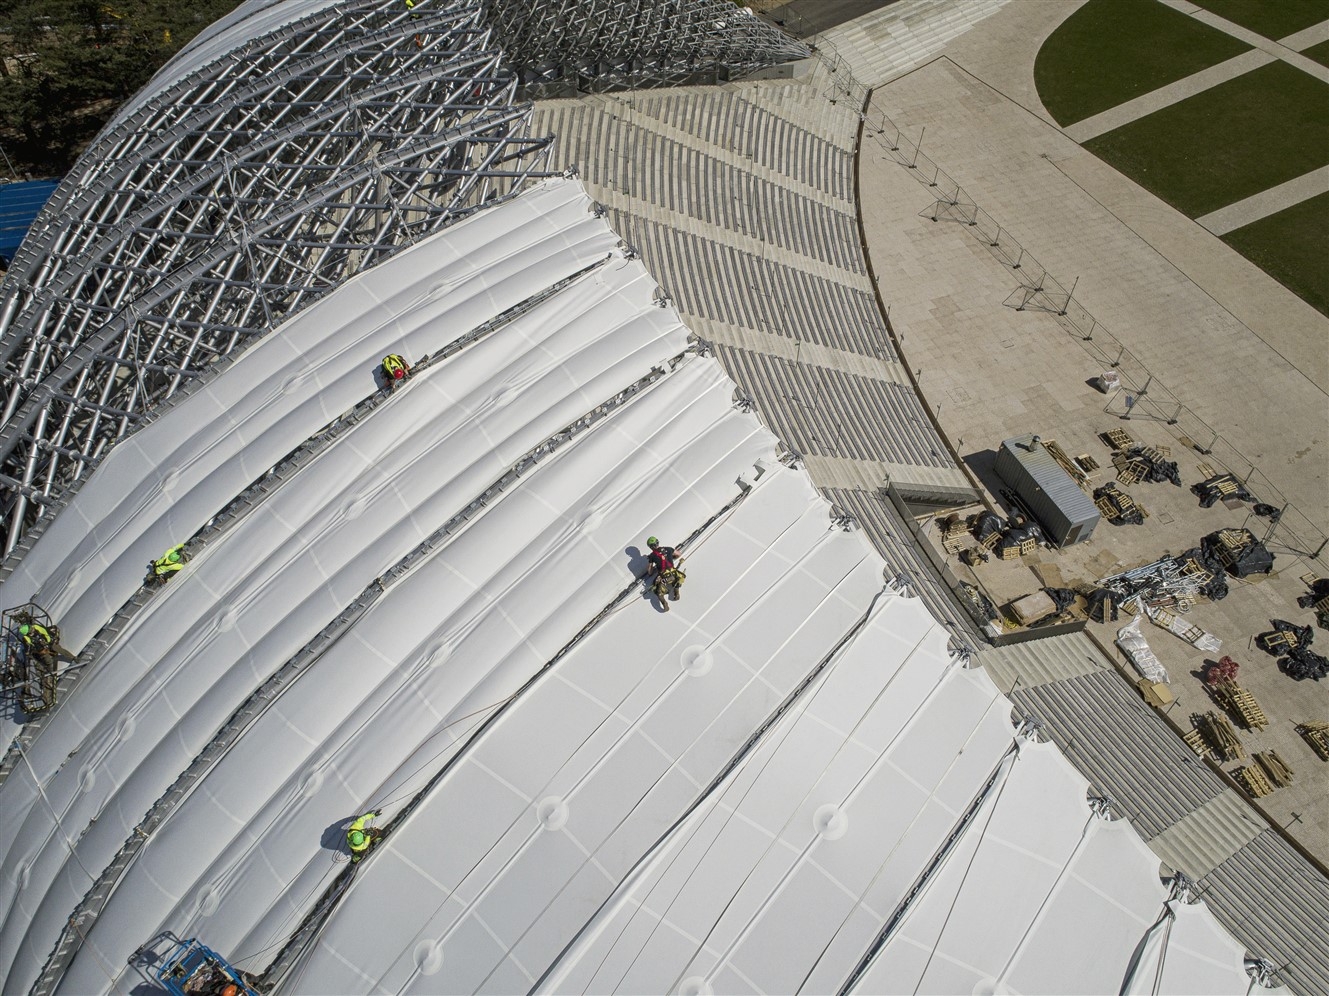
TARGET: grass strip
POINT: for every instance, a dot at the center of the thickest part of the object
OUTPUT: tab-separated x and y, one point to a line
1220	146
1319	53
1292	246
1274	19
1112	51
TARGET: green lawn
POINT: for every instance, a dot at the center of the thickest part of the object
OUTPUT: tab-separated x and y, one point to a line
1227	143
1272	18
1292	246
1320	53
1111	51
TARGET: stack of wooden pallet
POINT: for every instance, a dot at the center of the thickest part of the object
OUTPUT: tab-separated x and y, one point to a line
1218	736
1275	768
1116	505
1317	735
1240	703
1252	779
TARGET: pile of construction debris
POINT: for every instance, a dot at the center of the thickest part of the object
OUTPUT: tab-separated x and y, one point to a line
1101	605
1298	662
1145	463
1007	539
1239	551
1175	582
1219	487
1201	572
1217	672
1117	506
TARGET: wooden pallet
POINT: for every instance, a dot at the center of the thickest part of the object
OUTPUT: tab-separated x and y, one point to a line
1131	473
1274	767
1118	439
1317	735
1252	779
1195	741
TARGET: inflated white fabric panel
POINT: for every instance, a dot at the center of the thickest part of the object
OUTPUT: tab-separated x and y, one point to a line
385	707
1075	895
162	484
252	599
1189	954
849	794
543	818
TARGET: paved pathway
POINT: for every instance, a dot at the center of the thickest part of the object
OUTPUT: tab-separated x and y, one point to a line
1267	202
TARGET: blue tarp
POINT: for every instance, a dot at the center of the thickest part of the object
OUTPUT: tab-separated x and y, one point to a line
19	204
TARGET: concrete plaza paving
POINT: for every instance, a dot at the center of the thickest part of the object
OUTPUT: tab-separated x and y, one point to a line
1234	345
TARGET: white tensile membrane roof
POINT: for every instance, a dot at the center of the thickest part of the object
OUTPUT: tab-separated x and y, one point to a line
786	783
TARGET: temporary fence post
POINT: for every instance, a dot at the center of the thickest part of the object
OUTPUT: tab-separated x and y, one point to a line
1069	296
914	163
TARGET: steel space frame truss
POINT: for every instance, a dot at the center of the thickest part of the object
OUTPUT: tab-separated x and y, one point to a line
228	201
563	47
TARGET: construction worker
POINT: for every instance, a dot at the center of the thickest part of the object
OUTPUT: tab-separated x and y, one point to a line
410	5
37	640
169	562
662	564
360	837
395	369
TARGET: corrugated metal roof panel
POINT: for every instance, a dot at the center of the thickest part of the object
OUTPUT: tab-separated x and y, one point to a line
1274	899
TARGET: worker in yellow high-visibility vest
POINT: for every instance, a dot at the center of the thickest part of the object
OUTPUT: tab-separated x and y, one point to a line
360	837
169	562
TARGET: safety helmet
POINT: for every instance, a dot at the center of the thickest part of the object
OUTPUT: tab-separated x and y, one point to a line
24	630
356	837
652	542
174	556
398	373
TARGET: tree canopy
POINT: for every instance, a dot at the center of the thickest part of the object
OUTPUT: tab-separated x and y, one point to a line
66	65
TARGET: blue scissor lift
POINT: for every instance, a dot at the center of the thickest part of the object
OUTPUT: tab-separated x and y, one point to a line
194	969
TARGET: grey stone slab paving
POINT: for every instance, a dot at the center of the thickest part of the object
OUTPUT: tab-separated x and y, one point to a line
1166	96
1267	202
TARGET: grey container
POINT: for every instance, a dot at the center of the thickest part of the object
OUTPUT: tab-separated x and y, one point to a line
1066	513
